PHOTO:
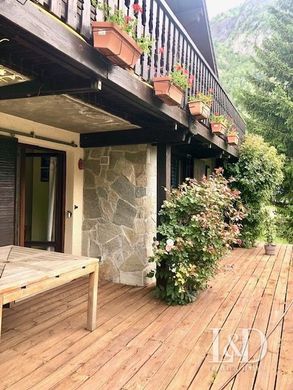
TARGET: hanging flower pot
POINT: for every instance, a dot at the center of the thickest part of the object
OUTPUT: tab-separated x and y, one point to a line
200	105
168	92
232	134
218	124
199	110
218	128
233	139
115	44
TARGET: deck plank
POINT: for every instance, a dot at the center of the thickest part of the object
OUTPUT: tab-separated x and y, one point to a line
142	343
285	366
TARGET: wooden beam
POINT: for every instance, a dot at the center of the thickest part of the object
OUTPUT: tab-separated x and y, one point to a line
65	42
203	134
142	94
153	135
38	88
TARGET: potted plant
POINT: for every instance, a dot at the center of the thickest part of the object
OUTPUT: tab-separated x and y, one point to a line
170	89
116	38
218	124
232	136
200	105
269	225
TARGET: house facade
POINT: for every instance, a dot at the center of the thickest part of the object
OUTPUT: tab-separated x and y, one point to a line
86	148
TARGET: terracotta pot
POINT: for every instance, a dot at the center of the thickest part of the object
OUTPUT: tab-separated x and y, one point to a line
115	44
232	139
218	128
270	249
167	92
199	110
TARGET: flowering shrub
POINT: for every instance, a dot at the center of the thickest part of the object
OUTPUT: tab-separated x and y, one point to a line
127	23
199	223
201	97
181	78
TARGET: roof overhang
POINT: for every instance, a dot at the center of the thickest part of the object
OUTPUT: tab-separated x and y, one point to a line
65	112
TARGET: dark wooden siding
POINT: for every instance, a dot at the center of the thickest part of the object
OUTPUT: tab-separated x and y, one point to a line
8	152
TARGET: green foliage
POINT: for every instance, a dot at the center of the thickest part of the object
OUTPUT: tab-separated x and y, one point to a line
269	100
217	118
258	175
199	222
201	97
269	224
180	77
285	223
126	23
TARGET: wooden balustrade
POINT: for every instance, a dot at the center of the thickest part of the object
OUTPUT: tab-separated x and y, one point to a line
172	45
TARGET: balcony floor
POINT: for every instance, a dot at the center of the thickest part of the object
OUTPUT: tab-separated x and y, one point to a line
142	343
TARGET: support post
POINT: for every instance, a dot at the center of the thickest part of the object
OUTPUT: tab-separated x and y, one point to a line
93	299
163	174
164	153
1	313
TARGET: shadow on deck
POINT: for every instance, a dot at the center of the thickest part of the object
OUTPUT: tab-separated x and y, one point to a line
140	343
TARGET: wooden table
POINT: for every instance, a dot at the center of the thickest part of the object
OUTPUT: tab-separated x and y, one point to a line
25	272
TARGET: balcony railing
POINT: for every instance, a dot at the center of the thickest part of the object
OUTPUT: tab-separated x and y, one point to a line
172	45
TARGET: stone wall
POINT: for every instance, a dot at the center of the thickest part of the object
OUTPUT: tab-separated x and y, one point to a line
120	210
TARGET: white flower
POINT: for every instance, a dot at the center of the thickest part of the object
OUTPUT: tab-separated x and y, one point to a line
170	242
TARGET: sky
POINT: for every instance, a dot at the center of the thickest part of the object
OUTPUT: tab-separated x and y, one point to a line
215	7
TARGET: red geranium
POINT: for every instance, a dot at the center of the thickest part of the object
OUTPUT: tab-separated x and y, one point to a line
137	8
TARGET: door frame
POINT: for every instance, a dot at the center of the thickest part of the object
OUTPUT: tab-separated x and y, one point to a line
60	195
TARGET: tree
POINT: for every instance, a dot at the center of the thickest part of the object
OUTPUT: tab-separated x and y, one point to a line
257	175
269	101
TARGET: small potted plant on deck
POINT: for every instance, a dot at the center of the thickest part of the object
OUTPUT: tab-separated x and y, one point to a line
170	89
269	228
200	105
232	136
116	38
218	124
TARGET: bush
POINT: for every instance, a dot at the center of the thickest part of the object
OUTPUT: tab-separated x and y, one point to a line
285	223
199	222
258	173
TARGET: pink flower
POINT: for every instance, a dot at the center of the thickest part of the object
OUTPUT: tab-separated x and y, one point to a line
137	8
191	79
161	50
168	248
186	72
169	245
178	67
128	19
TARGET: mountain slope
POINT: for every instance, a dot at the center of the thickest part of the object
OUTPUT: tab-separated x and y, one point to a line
235	35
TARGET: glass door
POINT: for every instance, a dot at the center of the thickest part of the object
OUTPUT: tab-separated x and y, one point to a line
42	199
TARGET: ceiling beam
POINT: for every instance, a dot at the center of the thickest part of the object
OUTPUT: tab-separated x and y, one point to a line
33	88
132	137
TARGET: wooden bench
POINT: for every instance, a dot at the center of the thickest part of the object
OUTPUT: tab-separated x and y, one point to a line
25	272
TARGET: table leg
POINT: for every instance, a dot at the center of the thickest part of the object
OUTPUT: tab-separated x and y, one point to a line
1	311
92	300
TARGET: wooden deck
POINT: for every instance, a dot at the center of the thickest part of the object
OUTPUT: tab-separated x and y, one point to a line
140	343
